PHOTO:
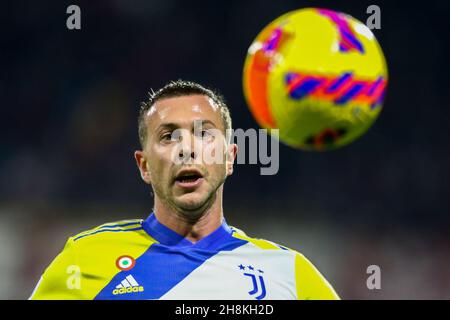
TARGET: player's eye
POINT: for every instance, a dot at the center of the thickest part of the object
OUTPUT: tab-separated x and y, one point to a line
166	136
205	134
169	136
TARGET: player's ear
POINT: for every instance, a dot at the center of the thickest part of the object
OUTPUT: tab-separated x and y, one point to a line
142	164
231	156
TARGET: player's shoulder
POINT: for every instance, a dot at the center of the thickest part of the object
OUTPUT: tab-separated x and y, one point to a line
118	228
260	243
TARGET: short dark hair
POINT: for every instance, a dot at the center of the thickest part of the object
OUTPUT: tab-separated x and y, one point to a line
177	89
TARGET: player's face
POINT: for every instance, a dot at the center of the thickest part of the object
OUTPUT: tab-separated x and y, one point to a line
186	152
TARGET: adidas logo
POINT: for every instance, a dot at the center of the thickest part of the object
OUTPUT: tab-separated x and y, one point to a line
128	285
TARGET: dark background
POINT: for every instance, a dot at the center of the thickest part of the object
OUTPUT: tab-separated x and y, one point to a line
69	106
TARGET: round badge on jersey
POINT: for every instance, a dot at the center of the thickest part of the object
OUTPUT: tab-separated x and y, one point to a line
125	263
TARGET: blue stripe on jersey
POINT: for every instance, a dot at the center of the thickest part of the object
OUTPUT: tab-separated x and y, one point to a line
166	236
163	234
163	266
106	230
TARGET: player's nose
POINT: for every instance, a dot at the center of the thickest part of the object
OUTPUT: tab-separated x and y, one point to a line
187	149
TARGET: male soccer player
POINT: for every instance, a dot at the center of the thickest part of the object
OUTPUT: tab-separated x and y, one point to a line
185	249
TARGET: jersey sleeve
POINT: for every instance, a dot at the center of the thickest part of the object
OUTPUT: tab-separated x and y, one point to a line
310	283
62	279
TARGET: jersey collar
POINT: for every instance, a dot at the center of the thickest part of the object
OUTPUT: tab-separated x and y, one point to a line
168	237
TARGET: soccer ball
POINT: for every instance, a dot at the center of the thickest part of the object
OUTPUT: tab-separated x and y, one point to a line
317	75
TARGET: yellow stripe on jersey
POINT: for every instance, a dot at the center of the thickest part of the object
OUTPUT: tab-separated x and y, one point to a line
122	224
310	283
87	265
261	243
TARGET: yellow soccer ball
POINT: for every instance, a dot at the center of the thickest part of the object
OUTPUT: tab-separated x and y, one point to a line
317	75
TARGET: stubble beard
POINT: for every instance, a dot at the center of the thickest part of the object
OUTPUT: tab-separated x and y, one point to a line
189	212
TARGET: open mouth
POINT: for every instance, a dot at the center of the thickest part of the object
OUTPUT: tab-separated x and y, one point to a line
189	178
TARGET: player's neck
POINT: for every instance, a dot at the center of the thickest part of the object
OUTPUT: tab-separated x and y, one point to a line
193	231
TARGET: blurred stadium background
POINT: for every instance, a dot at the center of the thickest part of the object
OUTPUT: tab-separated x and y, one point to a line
68	131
